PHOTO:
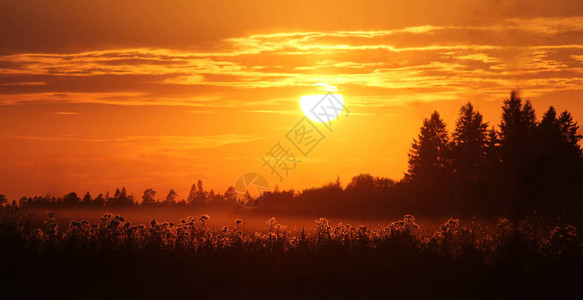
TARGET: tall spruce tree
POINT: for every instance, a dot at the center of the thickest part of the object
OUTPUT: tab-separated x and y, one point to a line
570	136
469	143
429	167
518	154
492	150
192	195
171	197
468	160
429	156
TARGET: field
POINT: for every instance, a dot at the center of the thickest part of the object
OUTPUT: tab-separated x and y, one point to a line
113	258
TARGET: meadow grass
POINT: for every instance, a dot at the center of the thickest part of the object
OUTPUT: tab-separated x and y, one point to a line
117	259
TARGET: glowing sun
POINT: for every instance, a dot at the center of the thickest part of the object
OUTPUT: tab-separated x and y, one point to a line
322	108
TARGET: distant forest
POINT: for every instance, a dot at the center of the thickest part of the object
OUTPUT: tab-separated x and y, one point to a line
521	167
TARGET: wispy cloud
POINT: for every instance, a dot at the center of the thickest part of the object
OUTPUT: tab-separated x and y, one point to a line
178	142
66	113
435	61
23	83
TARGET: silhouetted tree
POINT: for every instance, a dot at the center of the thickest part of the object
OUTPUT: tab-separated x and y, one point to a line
560	168
71	199
429	156
248	200
192	195
550	135
569	132
338	183
99	200
430	164
121	198
87	199
149	197
518	154
230	194
171	198
550	148
469	143
469	159
492	150
492	200
3	200
518	123
201	195
366	183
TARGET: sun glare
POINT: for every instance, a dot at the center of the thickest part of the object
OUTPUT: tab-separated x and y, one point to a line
322	108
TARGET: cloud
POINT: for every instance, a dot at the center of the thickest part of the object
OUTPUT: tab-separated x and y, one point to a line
179	142
23	83
437	61
66	113
279	112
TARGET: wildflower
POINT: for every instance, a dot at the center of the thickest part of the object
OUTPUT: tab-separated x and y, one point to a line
322	222
272	221
105	217
113	224
450	226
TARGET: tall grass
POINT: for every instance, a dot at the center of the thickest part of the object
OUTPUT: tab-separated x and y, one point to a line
114	258
192	235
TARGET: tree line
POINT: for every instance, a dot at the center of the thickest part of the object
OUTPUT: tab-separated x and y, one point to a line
197	196
521	166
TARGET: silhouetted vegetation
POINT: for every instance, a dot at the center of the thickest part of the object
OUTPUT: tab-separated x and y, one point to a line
116	259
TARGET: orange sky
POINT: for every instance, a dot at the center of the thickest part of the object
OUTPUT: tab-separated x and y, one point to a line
100	94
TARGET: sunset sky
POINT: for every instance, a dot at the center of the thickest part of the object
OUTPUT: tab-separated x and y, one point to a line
96	95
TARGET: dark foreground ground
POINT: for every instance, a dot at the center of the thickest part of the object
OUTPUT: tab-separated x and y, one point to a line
365	274
114	259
